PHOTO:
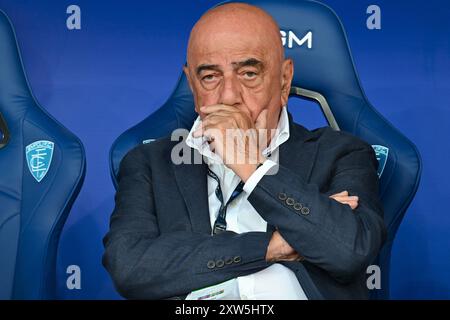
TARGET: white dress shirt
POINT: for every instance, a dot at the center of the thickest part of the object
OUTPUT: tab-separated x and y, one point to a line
276	281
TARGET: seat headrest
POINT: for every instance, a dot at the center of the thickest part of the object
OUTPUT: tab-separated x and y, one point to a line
315	40
43	166
13	83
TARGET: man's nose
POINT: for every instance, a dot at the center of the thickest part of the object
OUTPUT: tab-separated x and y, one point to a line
231	91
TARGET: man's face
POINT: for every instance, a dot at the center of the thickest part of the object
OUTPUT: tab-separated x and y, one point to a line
240	67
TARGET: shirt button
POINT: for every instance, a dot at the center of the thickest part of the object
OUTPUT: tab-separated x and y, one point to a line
244	297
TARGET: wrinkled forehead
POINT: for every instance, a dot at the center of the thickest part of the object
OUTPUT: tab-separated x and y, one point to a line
235	34
230	45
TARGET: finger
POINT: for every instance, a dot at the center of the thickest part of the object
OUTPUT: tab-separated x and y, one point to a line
261	121
219	113
300	258
213	134
335	197
345	198
217	108
343	193
224	121
209	122
215	120
206	131
226	111
198	132
215	129
291	257
352	204
352	201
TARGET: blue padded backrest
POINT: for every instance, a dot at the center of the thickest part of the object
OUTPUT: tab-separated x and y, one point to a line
42	169
326	68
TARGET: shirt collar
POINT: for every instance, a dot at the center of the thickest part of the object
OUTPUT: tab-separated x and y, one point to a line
201	145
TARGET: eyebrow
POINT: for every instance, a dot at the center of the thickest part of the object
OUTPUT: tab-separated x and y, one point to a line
203	67
251	62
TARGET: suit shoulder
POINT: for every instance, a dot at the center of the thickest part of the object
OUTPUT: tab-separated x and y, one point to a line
155	146
329	137
144	152
336	145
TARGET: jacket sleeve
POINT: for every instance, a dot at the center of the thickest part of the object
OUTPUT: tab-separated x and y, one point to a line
145	264
328	234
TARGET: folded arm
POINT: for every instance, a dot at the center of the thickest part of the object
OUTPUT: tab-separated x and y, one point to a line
327	233
145	264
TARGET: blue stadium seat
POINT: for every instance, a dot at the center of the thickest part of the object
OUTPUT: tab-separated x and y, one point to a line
42	169
315	39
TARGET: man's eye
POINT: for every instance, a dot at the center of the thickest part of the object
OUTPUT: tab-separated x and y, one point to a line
209	78
250	75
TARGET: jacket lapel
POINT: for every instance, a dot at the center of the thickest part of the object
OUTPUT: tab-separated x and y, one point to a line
296	154
191	179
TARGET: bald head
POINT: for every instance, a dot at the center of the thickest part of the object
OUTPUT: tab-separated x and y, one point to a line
246	22
235	57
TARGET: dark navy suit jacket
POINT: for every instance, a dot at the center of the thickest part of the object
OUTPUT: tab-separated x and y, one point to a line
160	246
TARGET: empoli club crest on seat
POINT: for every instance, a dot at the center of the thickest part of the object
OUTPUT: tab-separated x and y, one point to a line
381	152
39	158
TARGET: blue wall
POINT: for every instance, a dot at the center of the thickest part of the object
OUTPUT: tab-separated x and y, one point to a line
125	60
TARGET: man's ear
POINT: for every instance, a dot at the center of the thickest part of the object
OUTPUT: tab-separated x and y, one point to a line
188	77
287	73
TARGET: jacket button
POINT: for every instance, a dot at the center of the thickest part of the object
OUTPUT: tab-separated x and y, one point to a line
237	259
229	261
290	201
282	196
211	264
298	206
305	211
220	263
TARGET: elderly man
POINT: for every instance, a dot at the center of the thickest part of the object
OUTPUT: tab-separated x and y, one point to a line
299	218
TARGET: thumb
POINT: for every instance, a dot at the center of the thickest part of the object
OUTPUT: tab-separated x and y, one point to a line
261	121
340	194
